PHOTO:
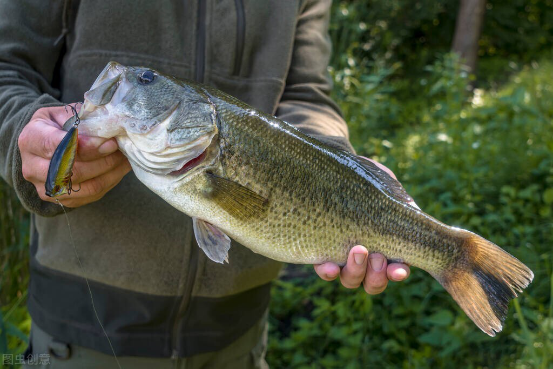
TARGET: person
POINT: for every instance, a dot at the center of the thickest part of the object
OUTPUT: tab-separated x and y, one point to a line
161	301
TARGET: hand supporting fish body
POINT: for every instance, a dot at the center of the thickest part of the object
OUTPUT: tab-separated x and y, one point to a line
243	174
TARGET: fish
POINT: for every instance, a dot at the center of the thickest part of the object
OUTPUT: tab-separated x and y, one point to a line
245	175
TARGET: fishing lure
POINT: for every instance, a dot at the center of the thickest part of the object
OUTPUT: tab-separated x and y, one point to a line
58	180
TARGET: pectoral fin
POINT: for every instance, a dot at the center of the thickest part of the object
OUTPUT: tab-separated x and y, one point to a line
212	240
237	200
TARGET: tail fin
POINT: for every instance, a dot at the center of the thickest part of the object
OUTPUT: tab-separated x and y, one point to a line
488	280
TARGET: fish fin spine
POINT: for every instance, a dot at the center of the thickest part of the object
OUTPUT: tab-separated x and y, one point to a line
485	282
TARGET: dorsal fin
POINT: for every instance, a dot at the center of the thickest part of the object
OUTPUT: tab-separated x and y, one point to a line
387	183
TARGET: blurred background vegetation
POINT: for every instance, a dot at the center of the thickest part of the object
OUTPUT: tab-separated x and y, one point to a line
473	144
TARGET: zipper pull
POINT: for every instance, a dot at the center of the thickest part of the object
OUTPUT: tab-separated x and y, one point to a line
175	354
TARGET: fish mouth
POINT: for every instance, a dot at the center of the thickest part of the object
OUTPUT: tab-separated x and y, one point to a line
111	71
95	112
189	165
104	89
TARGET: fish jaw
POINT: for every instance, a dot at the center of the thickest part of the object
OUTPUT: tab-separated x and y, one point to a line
97	115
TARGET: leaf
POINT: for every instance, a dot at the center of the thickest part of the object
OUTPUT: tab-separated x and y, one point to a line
548	196
434	337
12	330
441	318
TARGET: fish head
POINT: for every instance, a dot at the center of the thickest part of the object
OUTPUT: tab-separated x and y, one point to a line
164	126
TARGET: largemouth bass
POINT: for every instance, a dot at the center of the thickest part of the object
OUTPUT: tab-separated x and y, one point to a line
246	175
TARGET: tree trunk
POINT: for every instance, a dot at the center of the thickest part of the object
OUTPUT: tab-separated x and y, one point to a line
467	31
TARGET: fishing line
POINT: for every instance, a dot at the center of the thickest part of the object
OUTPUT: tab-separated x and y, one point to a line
87	284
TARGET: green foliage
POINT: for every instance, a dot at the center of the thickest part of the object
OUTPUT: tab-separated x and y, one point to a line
365	33
386	32
14	276
481	161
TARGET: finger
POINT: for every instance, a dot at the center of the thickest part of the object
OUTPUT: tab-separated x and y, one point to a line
90	190
387	170
354	272
85	170
327	271
376	279
36	168
41	141
60	114
398	272
94	189
383	167
92	148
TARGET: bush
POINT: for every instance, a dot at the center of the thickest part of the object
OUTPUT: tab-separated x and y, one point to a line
14	276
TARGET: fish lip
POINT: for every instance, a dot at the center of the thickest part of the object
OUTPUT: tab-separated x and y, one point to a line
111	70
89	111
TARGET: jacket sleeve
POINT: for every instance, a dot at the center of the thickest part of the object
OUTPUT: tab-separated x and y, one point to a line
305	101
28	58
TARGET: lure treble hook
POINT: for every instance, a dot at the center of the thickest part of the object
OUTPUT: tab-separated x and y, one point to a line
75	113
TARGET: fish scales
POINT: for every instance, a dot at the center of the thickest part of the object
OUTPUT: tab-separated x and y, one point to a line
311	208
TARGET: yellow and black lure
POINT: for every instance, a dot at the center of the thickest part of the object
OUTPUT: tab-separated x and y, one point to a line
58	180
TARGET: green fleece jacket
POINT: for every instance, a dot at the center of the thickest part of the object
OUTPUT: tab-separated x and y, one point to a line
156	294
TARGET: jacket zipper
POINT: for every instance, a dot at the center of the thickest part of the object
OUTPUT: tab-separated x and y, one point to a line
240	35
184	302
200	42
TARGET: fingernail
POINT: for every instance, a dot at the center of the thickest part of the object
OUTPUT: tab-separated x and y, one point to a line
330	276
400	274
108	147
376	262
359	258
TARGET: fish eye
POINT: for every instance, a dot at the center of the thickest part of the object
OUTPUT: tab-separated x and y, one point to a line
146	77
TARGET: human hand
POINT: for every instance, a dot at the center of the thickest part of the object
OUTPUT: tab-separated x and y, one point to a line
374	274
99	165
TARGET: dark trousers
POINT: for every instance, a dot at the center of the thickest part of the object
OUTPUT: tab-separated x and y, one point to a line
246	352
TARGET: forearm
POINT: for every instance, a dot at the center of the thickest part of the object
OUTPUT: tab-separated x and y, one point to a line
306	101
318	121
27	63
10	157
